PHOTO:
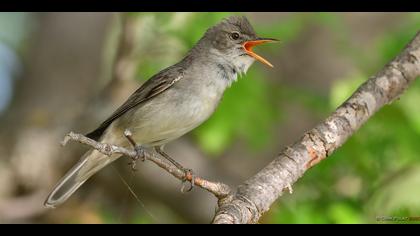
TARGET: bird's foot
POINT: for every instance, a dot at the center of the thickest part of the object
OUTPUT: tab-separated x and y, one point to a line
140	154
188	173
189	176
139	150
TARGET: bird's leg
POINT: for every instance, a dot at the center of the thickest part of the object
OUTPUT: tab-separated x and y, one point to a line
187	172
139	150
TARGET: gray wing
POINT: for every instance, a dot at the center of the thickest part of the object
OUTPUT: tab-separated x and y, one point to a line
151	88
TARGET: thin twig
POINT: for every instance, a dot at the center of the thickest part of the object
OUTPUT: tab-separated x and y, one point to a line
220	190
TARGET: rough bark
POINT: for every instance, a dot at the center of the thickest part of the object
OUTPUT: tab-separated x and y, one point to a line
255	195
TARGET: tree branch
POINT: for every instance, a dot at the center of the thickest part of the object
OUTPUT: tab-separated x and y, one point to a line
220	190
255	195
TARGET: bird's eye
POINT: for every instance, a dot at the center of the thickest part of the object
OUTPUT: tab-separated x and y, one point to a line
234	35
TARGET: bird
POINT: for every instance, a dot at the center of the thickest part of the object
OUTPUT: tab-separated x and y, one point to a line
173	102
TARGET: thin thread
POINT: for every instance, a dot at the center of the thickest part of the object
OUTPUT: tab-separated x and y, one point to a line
124	207
135	195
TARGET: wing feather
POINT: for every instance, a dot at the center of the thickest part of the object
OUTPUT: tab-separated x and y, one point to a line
151	88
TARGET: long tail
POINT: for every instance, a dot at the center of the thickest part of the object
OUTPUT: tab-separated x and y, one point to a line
91	162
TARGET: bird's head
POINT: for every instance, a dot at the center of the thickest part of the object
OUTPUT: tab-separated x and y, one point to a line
233	39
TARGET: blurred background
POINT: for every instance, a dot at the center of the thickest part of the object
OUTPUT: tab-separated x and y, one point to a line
62	72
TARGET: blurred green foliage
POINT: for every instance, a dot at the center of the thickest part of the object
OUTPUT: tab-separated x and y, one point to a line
374	173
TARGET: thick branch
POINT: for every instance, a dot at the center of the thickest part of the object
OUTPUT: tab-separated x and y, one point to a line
220	190
255	196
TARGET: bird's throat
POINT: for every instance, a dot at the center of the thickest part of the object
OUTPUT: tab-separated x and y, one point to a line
227	72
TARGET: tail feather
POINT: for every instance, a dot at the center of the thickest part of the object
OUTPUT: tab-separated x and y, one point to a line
89	164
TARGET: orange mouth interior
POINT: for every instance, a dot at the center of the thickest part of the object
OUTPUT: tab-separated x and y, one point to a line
248	49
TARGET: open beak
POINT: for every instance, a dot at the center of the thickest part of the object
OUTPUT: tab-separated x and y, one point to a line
248	45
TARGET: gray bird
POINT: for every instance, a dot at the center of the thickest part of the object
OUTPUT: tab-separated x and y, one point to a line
172	102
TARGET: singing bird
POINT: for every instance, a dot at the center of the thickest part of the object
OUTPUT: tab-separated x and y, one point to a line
173	102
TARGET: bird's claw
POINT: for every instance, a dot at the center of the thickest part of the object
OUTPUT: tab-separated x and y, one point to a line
188	175
140	154
133	163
